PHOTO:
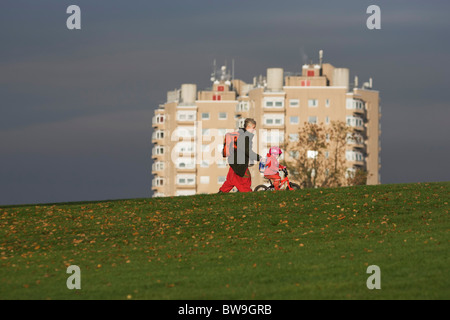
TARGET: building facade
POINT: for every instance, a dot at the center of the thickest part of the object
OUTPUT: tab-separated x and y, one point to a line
189	129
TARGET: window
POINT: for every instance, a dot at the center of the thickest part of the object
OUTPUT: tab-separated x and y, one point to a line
274	103
205	148
204	179
313	103
185	147
355	139
158	119
158	134
205	164
311	154
185	179
158	166
222	115
222	163
158	150
185	163
185	192
293	137
294	103
205	115
206	132
327	120
158	194
350	173
240	123
186	115
354	156
327	103
221	179
158	182
184	132
354	104
274	137
312	119
242	106
355	121
274	119
293	120
294	154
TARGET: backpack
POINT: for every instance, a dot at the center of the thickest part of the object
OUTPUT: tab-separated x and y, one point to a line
230	142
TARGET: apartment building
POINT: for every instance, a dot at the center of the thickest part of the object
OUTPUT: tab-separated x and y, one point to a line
189	128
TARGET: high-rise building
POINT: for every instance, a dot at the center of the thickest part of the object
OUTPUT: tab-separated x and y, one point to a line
189	127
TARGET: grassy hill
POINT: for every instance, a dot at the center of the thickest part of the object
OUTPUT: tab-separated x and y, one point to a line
307	244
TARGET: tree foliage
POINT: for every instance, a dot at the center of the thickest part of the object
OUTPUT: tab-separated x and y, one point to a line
317	158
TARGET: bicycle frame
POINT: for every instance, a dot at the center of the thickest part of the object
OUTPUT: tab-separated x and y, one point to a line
282	182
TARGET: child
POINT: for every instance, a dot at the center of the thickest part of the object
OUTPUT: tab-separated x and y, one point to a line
272	166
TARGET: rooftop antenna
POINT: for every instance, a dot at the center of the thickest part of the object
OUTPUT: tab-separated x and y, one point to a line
213	74
232	71
320	57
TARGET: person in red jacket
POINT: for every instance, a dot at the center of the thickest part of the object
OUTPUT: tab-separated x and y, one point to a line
239	174
272	166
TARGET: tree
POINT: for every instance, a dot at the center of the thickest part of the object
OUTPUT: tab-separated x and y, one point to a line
318	156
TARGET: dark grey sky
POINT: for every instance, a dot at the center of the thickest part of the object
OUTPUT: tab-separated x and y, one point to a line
76	106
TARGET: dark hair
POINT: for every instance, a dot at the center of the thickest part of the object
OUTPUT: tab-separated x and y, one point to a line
249	121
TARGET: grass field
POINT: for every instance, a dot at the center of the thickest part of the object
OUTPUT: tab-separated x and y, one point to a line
306	244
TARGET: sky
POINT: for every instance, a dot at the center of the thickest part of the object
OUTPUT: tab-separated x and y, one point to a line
76	105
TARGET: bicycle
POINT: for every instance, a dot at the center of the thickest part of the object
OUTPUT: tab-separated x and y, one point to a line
271	187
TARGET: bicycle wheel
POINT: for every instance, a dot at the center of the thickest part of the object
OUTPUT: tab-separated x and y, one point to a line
261	187
293	186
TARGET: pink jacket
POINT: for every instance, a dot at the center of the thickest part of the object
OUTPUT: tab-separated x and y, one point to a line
272	165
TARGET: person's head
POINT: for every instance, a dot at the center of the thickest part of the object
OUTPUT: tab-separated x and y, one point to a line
275	151
250	125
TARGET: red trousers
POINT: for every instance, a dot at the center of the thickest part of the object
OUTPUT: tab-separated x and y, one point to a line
276	179
241	183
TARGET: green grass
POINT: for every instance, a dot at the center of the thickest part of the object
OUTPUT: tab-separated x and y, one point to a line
307	244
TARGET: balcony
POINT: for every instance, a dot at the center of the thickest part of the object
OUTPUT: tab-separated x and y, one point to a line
357	106
158	152
158	167
157	136
158	121
355	158
356	122
356	141
158	183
